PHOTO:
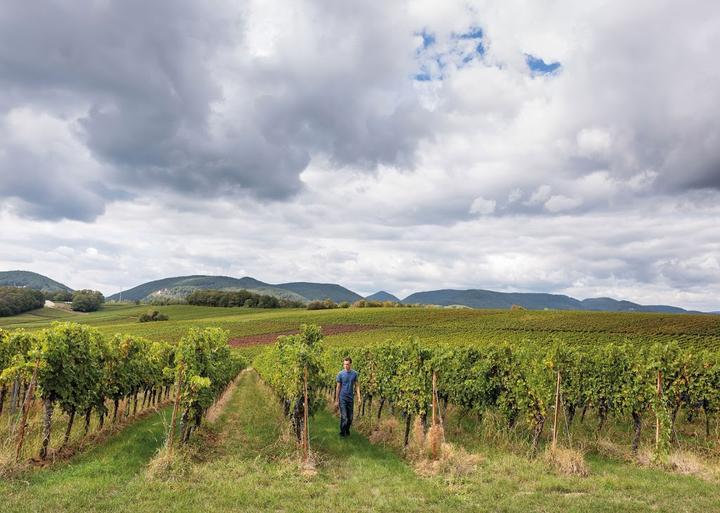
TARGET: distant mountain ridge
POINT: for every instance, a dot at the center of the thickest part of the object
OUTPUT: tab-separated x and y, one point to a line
478	298
31	280
181	286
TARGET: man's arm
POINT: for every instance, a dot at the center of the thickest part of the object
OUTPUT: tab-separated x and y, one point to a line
337	394
357	389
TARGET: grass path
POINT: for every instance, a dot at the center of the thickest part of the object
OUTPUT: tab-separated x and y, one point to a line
245	464
352	472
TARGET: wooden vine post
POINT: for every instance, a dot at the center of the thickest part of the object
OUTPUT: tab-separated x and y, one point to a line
25	409
433	446
176	407
557	409
657	417
306	437
434	397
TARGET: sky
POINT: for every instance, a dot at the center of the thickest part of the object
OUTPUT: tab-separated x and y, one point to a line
564	147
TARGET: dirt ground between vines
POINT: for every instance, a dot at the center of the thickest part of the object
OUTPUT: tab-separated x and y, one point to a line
269	338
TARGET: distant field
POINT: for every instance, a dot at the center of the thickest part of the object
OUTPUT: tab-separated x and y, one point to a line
428	324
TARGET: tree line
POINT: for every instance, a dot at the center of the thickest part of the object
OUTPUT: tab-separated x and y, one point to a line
16	300
239	298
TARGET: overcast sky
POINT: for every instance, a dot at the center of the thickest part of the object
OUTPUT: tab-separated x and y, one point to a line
563	146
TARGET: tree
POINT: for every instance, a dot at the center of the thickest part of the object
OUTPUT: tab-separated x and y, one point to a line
87	300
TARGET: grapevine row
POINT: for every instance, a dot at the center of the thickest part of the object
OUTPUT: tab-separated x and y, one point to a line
519	381
75	368
644	384
285	365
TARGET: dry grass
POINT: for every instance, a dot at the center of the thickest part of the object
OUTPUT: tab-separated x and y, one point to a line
416	444
309	467
385	432
172	465
451	462
645	457
567	462
680	462
432	456
609	449
684	462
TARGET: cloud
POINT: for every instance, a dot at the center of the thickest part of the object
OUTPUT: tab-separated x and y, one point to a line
560	203
627	255
45	173
482	206
241	100
593	141
299	136
208	101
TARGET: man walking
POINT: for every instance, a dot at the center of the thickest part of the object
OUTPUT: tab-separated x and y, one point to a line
347	380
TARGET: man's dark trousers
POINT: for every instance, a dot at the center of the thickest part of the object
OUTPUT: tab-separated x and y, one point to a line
346	416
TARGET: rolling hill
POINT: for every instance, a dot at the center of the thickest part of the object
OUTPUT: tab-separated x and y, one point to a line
31	280
182	286
319	291
382	296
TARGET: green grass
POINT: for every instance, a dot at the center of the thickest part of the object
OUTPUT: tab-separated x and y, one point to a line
250	466
97	480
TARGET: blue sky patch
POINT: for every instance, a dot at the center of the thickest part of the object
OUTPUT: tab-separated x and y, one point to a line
428	39
539	66
461	49
473	33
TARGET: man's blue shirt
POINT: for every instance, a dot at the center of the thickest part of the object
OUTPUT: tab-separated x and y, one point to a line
347	381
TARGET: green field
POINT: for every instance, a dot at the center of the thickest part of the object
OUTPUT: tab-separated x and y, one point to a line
246	462
428	324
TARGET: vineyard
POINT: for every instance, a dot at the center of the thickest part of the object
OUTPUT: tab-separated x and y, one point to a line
72	370
504	387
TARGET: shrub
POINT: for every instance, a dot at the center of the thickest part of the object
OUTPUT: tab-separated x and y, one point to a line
325	304
153	315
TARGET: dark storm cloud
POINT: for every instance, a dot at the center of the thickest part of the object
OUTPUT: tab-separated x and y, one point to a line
39	190
164	94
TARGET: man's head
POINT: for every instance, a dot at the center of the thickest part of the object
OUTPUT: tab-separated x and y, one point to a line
347	363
